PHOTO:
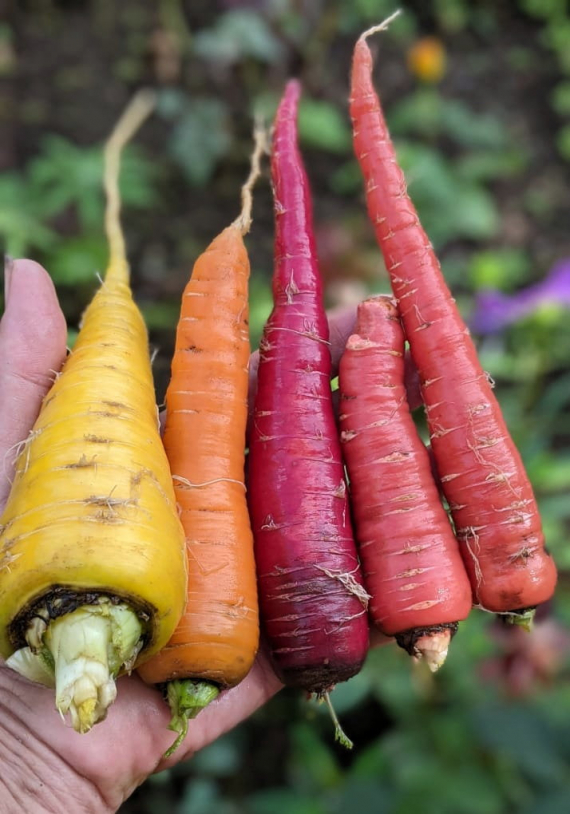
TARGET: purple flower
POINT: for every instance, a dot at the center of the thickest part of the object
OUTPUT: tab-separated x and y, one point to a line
494	310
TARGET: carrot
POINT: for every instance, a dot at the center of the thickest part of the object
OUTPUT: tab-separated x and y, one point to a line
483	478
313	605
92	566
412	567
216	641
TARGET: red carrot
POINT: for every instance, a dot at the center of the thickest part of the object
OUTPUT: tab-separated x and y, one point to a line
410	558
312	601
482	475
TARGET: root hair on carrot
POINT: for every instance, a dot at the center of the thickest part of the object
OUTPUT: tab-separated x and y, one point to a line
186	482
350	583
464	535
19	449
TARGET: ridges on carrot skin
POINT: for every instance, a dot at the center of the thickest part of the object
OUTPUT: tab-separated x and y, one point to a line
410	558
481	472
311	593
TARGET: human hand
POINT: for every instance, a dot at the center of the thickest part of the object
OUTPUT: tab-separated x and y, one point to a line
47	765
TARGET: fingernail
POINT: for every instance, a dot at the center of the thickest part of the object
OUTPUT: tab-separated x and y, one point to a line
8	268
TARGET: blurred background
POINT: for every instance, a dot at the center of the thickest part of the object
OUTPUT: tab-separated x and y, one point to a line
477	96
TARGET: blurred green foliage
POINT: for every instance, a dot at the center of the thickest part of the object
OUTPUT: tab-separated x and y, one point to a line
486	154
451	745
200	134
238	35
64	179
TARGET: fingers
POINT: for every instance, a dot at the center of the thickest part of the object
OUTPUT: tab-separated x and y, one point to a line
32	348
341	325
378	639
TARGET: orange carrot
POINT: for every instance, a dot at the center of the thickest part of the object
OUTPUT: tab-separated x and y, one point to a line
216	640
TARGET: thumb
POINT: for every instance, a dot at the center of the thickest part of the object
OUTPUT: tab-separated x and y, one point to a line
32	349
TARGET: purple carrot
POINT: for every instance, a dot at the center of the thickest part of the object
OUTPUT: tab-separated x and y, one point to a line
313	603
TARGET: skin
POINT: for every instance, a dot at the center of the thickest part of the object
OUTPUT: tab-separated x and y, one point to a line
46	766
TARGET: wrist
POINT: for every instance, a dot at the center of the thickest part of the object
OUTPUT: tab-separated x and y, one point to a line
34	777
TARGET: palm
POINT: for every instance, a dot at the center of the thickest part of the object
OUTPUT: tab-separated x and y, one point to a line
129	746
121	753
115	757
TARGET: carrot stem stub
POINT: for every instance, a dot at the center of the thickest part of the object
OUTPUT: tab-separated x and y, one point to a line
186	699
482	476
314	606
412	567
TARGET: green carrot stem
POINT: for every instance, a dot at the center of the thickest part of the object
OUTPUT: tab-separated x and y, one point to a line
522	618
186	699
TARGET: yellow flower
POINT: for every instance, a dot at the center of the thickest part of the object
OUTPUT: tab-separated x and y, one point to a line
427	59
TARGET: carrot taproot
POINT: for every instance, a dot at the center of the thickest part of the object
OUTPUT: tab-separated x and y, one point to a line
92	566
313	604
413	571
482	475
215	643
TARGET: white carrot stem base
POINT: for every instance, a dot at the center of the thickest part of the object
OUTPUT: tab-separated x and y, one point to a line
428	644
33	666
432	649
86	650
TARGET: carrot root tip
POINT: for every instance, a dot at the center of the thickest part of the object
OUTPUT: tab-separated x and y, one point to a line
429	645
186	699
84	651
380	27
340	735
432	649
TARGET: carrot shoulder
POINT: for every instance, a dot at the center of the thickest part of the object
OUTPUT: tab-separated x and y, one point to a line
216	641
311	596
93	573
482	475
412	567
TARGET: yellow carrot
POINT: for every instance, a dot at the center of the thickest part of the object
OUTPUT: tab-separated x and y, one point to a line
92	558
